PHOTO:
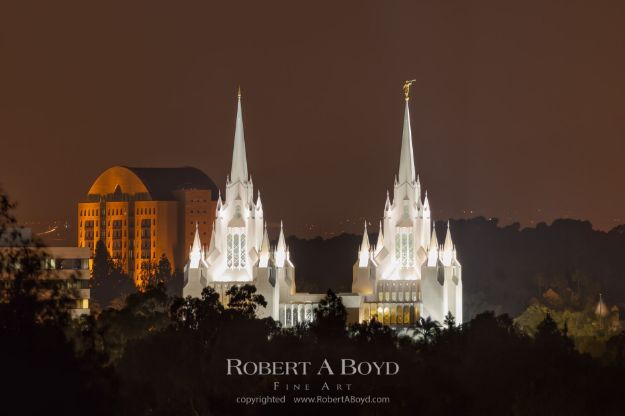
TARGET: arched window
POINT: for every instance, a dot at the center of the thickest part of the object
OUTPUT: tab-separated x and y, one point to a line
404	247
229	254
236	250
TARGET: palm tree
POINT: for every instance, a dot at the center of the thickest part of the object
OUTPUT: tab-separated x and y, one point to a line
427	328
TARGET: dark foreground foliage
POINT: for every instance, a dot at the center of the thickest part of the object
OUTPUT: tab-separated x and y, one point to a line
168	356
159	354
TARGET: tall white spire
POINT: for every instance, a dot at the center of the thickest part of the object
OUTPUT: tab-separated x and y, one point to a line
448	248
259	204
406	161
239	159
364	252
380	244
264	249
426	202
281	240
433	240
365	240
196	249
211	245
387	205
280	253
433	248
197	244
449	244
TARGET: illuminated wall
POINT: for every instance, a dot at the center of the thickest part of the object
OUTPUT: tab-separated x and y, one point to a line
143	213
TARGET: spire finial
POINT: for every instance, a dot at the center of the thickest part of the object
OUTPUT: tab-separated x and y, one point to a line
406	88
239	92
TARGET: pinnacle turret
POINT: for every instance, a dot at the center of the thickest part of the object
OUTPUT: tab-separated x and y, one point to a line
364	245
259	204
280	251
387	205
197	244
265	249
449	244
380	243
281	241
195	254
365	249
433	240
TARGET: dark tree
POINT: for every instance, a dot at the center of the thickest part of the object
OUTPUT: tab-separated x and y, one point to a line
427	329
155	274
196	314
549	337
449	322
330	317
108	280
102	263
33	321
373	332
164	272
243	300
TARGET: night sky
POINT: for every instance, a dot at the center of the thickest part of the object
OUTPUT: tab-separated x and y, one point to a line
517	109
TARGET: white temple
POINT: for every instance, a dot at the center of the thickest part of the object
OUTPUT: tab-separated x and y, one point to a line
406	275
239	251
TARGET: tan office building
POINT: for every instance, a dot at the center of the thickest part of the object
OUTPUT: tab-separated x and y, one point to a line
142	213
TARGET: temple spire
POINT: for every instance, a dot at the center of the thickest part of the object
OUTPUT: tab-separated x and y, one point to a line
387	205
195	254
449	244
265	249
211	245
280	252
364	246
380	244
239	159
365	249
197	244
433	240
265	246
406	161
259	204
281	240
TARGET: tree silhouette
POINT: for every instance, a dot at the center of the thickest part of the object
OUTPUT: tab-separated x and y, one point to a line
427	329
449	322
243	300
330	317
108	280
34	320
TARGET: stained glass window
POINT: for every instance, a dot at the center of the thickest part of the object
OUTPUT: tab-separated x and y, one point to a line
229	250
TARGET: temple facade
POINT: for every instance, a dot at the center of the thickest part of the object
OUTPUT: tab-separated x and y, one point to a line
239	251
404	276
407	274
